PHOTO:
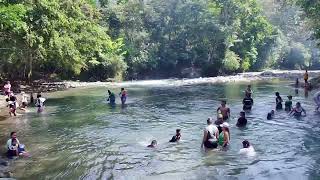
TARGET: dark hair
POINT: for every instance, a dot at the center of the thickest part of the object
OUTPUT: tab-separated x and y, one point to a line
245	144
12	133
277	94
7	99
224	101
122	89
39	95
178	130
298	103
209	121
109	91
243	113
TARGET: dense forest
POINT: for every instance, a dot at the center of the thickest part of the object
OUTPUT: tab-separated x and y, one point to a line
141	39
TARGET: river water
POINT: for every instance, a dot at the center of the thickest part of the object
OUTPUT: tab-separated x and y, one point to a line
81	137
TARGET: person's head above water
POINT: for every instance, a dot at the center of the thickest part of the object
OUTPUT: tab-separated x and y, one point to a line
245	144
290	97
39	95
277	94
242	114
109	92
209	121
154	142
249	86
178	131
272	112
13	134
122	89
223	103
298	104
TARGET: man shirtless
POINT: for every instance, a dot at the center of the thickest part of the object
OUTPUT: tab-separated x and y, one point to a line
224	110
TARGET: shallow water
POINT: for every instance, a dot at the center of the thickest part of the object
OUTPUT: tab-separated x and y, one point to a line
81	137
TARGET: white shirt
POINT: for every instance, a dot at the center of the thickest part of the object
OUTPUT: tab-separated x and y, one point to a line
24	98
212	129
9	144
248	151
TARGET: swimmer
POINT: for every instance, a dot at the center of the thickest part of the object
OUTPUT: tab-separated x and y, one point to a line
247	102
210	135
176	137
224	110
111	98
247	148
242	121
123	95
153	144
224	136
248	91
316	99
298	110
270	115
278	101
288	104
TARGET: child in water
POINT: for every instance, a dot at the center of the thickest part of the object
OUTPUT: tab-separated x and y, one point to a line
176	137
288	104
153	144
278	101
242	121
270	115
248	91
247	148
40	103
123	96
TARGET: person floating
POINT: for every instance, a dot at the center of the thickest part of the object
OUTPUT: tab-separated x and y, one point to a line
176	137
248	91
306	77
224	110
298	110
247	149
242	121
278	101
153	144
210	135
7	89
247	102
40	103
111	98
123	95
270	115
316	99
288	104
224	136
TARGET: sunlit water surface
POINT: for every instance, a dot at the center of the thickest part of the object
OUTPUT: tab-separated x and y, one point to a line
81	137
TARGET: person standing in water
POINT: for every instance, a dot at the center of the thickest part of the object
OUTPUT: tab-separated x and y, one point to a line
176	137
224	136
40	103
224	110
123	95
24	101
247	102
248	91
306	77
242	121
288	104
298	110
316	99
210	135
278	101
111	98
270	115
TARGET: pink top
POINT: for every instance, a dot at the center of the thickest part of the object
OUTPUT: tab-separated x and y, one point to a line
7	87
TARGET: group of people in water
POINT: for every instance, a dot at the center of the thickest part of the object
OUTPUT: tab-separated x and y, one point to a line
112	98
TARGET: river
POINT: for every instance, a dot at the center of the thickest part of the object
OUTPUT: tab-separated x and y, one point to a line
79	136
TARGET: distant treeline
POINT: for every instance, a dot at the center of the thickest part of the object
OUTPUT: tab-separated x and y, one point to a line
125	39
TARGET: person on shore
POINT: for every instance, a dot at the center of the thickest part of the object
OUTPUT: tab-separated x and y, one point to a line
24	101
224	110
247	103
247	149
210	135
306	77
224	136
270	115
153	144
278	101
298	110
288	104
248	91
111	98
40	103
7	89
176	137
242	120
123	95
316	99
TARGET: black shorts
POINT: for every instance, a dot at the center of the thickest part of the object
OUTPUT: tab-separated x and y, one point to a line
210	145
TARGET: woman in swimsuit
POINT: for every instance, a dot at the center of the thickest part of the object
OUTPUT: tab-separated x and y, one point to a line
298	110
